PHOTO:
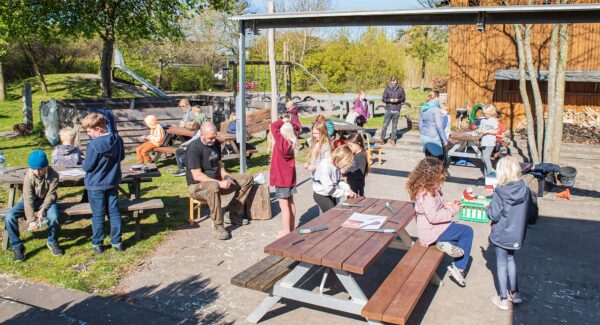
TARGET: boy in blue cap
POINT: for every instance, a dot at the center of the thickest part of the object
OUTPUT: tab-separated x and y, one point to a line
39	200
102	164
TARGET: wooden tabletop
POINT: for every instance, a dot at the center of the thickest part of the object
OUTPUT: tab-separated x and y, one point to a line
338	247
464	136
176	130
341	125
16	175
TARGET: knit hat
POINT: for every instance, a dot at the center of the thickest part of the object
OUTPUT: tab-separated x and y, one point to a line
151	120
38	159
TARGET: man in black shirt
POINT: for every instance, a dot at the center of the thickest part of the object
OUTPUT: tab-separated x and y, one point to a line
207	180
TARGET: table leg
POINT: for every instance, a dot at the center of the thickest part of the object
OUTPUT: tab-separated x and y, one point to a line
133	195
12	192
325	275
234	147
262	309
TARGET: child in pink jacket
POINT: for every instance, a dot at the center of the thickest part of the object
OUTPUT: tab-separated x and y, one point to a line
434	217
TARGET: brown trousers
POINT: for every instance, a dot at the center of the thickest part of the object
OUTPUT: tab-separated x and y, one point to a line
211	193
142	152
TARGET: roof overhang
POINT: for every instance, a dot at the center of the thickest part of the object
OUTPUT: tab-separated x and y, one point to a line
538	14
570	76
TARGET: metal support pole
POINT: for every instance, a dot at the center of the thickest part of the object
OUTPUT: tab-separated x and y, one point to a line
242	97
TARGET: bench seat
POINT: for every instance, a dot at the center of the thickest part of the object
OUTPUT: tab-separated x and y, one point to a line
263	275
397	296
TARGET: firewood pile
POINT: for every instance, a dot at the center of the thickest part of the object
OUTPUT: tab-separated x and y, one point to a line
579	126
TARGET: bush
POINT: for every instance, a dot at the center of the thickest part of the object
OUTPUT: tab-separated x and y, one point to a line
187	78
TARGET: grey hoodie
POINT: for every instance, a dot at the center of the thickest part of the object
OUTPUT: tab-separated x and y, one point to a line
66	156
510	208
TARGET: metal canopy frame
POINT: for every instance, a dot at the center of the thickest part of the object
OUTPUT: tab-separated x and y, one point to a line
479	16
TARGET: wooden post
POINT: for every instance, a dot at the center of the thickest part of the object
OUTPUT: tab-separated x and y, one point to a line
287	72
272	67
27	106
2	92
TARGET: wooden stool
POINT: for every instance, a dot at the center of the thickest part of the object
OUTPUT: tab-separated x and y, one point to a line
195	205
373	150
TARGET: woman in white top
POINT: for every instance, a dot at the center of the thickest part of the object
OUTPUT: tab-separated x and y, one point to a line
328	183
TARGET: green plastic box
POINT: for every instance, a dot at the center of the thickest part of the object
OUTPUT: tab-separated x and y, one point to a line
473	210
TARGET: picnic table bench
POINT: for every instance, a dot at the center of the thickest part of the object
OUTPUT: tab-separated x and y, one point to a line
13	179
346	251
175	132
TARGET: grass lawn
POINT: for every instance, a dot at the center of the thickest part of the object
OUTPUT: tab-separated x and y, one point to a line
80	268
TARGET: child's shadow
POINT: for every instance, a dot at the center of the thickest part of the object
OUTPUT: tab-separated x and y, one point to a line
490	262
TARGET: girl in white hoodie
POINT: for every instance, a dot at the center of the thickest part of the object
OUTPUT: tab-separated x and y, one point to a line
328	183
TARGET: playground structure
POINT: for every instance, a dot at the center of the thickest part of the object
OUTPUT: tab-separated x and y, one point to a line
119	63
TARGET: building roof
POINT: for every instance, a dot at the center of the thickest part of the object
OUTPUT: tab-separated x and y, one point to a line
538	14
571	76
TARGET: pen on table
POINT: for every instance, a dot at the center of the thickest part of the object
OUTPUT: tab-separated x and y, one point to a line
312	229
385	231
297	241
389	207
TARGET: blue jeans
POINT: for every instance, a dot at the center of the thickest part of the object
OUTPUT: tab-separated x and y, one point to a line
101	202
506	269
11	222
462	236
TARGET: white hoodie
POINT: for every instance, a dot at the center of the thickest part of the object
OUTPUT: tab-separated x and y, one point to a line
328	180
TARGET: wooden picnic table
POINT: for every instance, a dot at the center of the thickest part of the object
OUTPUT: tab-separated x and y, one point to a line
462	141
340	250
340	125
13	179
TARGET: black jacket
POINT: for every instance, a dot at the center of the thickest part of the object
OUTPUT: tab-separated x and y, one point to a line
510	208
389	93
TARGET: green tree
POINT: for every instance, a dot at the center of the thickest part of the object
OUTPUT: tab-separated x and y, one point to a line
127	20
424	44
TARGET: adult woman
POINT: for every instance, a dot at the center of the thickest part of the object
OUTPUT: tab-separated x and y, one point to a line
433	137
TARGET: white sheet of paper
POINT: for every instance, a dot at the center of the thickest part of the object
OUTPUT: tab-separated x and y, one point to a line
71	172
364	221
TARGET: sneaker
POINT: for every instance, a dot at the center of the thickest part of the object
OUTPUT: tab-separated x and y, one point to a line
514	297
118	247
236	219
446	247
19	254
457	275
393	143
179	172
55	249
98	249
501	303
221	233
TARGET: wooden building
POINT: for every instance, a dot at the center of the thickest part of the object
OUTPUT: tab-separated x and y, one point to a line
483	66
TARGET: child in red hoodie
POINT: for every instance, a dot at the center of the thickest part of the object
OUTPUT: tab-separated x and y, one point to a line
283	172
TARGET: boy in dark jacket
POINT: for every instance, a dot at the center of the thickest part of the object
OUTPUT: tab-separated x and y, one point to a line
103	174
393	97
509	210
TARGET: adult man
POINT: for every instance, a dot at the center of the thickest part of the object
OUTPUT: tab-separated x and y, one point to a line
39	201
207	180
393	97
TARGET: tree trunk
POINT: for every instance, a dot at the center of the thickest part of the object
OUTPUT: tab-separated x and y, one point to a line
549	134
106	66
37	67
537	96
422	74
523	90
272	66
160	72
563	42
2	91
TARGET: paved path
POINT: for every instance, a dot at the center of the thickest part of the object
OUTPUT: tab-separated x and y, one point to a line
187	279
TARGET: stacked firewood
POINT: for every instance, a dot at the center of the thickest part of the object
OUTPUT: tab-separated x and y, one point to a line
579	126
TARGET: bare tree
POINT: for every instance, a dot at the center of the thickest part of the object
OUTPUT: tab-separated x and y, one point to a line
559	99
537	96
552	67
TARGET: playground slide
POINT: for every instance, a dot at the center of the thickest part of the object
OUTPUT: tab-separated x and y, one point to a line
119	63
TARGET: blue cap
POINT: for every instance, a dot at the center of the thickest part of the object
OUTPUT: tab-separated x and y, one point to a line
38	159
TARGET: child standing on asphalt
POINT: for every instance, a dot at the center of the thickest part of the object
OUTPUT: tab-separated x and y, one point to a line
488	128
509	210
434	217
102	165
357	173
283	172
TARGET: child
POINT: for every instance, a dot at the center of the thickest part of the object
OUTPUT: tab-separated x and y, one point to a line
434	217
446	120
488	128
39	201
102	165
361	107
188	115
328	183
66	154
232	125
509	210
180	156
283	172
320	146
154	139
357	173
